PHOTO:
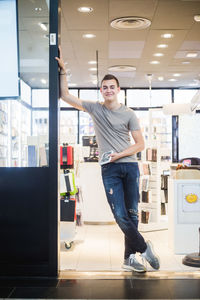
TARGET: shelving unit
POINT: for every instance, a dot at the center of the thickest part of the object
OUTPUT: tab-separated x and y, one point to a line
156	158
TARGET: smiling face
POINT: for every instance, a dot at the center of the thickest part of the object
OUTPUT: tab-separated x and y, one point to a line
109	90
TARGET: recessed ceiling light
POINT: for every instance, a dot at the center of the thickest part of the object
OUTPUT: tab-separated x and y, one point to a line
70	84
43	81
158	54
38	8
122	68
167	35
43	26
92	62
162	46
89	36
154	62
172	79
185	62
176	75
85	9
161	78
197	18
130	23
191	54
92	69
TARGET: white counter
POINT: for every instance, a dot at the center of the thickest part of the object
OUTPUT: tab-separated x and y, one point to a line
95	205
184	217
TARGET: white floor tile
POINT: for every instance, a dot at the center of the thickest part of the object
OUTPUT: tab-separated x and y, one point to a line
101	248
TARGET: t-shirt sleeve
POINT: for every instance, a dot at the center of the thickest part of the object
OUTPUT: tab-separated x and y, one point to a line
88	106
133	122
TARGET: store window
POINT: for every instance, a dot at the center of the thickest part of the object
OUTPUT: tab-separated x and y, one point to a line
147	98
24	131
68	127
73	92
184	96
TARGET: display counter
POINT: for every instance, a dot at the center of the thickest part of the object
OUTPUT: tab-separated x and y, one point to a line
184	215
95	206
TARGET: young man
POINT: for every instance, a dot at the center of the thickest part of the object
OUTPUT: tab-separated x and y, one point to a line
113	122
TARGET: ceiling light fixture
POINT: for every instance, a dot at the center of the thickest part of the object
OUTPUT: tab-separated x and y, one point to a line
89	36
154	62
167	35
38	9
158	54
162	46
122	68
197	18
43	81
191	54
130	23
92	69
176	74
92	62
161	78
85	9
172	79
43	26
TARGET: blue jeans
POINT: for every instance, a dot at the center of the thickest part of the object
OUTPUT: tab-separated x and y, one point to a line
121	183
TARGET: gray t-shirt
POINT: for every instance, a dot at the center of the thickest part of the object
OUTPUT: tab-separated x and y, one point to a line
112	127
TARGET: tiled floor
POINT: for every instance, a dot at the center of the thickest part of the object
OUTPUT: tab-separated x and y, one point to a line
99	289
100	248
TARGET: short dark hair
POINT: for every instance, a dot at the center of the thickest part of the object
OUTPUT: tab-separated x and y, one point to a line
110	77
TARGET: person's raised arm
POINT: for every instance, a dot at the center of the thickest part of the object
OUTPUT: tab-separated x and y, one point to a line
64	92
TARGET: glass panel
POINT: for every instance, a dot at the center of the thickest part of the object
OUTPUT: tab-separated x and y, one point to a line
65	104
189	141
68	127
22	143
25	92
91	95
147	98
183	96
40	98
4	133
86	126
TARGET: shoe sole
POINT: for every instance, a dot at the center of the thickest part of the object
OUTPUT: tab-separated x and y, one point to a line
152	249
132	269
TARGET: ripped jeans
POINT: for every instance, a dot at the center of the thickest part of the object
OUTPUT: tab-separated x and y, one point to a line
121	183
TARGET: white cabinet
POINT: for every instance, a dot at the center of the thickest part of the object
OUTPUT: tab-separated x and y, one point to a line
184	215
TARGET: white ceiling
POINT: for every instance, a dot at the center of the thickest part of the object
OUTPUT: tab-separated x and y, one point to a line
116	47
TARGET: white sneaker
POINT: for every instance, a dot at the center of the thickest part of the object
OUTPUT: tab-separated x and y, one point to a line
151	256
131	263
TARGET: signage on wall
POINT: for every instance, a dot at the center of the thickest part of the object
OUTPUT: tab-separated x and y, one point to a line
9	86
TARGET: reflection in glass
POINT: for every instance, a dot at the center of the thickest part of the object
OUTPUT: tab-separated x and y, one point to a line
68	127
24	131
